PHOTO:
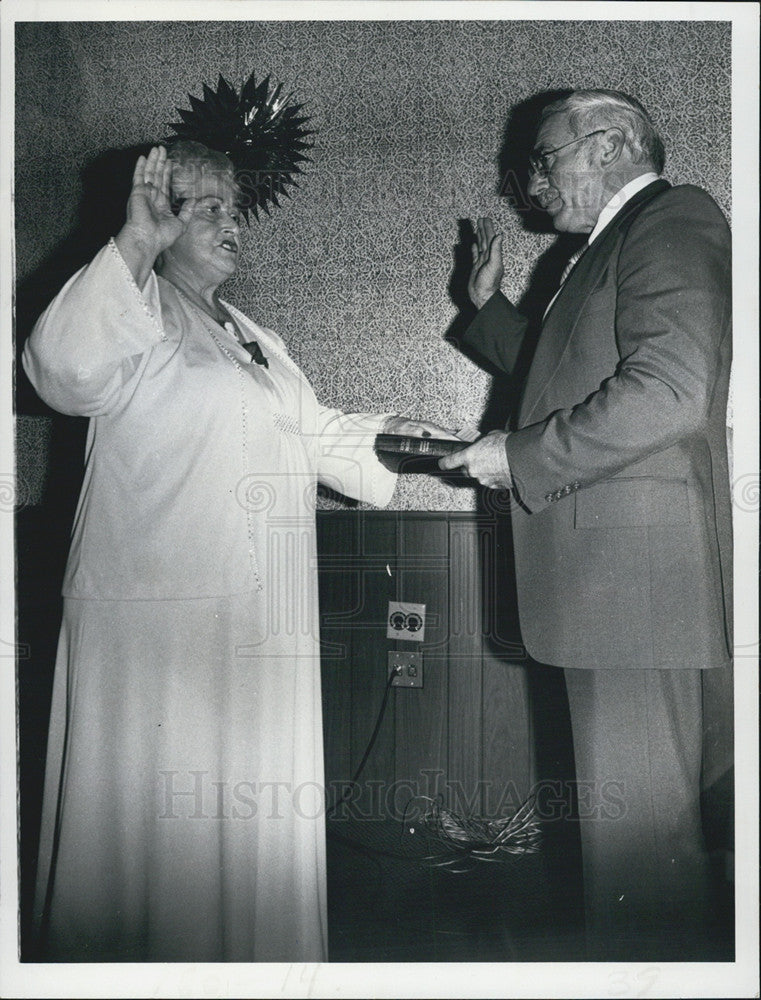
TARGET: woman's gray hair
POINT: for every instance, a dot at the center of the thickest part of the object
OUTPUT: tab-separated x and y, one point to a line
590	109
195	159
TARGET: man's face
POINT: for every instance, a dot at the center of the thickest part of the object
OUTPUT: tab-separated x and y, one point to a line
572	190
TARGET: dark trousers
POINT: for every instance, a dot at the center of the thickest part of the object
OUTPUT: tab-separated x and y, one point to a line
637	738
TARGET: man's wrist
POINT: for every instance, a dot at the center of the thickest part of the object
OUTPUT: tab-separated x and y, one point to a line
501	464
479	300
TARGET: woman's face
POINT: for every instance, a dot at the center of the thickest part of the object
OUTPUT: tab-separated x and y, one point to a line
208	249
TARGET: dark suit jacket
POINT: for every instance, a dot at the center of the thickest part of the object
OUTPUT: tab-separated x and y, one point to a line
623	534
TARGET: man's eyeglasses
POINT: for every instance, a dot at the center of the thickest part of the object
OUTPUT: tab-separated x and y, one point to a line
540	162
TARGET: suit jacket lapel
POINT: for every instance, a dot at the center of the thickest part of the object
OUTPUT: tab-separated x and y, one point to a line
561	319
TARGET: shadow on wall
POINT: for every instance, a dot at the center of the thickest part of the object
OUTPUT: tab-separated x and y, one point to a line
517	142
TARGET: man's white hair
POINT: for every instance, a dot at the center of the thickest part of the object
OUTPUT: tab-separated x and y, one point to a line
591	109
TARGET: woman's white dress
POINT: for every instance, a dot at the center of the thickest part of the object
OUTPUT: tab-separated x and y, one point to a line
183	815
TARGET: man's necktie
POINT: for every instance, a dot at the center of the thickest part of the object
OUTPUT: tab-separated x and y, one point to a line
256	353
572	262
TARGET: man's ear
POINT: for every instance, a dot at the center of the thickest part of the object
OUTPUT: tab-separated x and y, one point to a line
612	146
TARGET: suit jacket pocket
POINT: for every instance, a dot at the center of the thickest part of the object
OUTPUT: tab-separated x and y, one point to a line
632	503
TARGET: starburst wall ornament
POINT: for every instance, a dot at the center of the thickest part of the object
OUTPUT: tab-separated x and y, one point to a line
262	132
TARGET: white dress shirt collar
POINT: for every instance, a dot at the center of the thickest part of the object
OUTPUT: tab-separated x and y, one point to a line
619	199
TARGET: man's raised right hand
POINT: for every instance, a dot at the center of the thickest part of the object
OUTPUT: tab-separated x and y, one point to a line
487	271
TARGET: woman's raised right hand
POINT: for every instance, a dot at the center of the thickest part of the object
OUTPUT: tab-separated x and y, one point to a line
150	219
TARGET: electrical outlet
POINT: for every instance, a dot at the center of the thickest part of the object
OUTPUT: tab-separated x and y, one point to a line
405	621
407	669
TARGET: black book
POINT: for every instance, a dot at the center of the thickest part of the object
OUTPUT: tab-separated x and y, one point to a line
404	444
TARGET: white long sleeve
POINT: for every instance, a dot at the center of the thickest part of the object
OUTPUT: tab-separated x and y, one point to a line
87	344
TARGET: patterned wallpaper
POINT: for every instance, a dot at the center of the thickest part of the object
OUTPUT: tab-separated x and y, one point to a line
356	271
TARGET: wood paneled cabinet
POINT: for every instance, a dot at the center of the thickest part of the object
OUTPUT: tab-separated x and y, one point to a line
466	734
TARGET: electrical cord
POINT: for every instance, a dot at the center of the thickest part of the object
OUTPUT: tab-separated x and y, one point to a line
369	852
369	748
463	840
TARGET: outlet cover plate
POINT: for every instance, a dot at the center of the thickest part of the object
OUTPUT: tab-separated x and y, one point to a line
405	621
411	665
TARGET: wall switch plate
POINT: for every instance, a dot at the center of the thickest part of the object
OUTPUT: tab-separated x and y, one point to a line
407	669
405	621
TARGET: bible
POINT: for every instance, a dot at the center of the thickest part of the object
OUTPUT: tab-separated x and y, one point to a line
406	444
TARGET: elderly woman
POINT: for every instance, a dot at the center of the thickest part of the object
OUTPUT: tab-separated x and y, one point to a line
183	809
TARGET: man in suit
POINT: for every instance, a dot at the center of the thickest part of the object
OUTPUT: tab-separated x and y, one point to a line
622	523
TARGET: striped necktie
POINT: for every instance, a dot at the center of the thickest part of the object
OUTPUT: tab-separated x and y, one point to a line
572	262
